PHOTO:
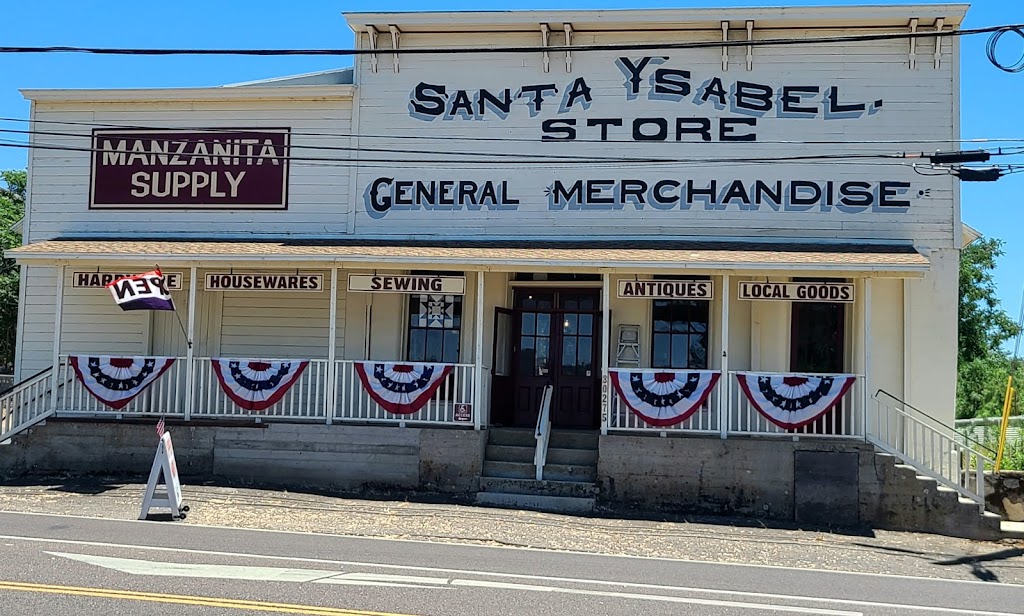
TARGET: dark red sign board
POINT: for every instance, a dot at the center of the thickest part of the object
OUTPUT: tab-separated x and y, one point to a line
197	169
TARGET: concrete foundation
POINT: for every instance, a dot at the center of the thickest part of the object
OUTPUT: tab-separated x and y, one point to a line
814	482
340	457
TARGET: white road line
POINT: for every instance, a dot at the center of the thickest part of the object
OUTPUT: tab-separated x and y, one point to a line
887	576
849	602
133	566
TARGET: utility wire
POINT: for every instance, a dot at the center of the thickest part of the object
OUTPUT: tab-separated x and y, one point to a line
531	157
446	138
514	49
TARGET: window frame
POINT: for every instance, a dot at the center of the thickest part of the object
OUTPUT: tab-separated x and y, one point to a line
704	305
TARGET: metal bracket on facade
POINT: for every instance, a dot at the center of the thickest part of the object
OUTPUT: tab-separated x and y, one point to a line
939	24
545	39
372	33
395	35
750	48
913	44
568	43
725	48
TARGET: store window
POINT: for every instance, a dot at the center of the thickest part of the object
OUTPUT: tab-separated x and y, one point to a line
435	325
679	336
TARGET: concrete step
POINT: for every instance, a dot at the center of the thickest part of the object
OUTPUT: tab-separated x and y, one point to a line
569	472
509	453
509	470
574	439
576	489
556	504
1011	530
572	457
513	437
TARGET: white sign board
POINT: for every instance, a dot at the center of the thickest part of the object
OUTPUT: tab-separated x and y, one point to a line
164	464
224	281
440	285
666	289
98	280
831	292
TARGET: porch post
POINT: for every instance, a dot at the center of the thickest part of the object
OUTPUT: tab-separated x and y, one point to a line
190	353
58	318
867	355
726	383
605	350
478	354
332	349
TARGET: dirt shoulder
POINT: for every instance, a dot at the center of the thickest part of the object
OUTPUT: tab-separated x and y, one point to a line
430	518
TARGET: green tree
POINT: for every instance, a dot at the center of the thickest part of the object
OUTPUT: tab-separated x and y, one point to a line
983	328
12	208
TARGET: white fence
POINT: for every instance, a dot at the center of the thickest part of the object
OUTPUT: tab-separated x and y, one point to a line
164	397
305	400
355	404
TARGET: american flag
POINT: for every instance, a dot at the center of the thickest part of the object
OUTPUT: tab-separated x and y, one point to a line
160	428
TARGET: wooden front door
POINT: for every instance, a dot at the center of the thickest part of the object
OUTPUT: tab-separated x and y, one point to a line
555	341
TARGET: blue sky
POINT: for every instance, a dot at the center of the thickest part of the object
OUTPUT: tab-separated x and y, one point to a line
990	107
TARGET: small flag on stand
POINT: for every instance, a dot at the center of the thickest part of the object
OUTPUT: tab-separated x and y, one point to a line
160	428
146	291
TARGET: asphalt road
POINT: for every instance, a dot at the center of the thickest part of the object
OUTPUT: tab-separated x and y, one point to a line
64	565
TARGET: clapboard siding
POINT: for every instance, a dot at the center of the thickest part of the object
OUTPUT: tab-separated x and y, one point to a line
317	189
918	108
289	325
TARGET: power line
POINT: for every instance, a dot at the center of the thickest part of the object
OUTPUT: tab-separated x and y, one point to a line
516	49
444	138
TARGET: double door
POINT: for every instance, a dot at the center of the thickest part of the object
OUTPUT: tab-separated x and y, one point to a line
549	337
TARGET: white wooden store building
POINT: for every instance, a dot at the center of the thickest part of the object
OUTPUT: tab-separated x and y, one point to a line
704	252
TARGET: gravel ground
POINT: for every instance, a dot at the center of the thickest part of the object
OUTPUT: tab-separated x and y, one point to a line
698	539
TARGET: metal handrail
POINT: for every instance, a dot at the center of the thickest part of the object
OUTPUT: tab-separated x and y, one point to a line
942	427
930	451
543	432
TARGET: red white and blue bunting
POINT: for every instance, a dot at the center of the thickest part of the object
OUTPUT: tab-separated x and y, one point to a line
794	400
401	388
256	384
664	398
116	381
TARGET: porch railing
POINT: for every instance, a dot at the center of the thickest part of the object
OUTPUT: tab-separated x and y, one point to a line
355	405
164	397
306	400
25	404
847	419
738	417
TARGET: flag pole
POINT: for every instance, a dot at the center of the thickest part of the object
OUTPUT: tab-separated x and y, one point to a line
174	307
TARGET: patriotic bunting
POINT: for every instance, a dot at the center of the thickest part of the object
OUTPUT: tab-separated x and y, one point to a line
256	384
664	398
400	388
116	381
146	291
795	400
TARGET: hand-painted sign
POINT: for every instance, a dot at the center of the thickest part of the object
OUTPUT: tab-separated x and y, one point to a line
666	289
224	281
830	292
174	169
446	285
99	280
746	103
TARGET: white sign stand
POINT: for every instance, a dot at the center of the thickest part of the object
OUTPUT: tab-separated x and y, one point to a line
163	464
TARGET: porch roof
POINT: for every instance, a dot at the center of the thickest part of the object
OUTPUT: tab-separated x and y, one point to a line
638	254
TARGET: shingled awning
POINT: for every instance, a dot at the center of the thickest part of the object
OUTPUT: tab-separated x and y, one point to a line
900	259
